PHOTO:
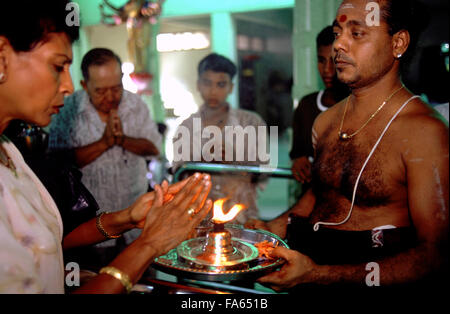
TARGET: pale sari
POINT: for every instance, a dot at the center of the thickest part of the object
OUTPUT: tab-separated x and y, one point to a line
30	231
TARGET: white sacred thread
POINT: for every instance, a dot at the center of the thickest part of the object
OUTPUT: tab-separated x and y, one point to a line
317	224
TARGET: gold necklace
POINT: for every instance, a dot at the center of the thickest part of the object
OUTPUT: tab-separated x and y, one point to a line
344	136
5	160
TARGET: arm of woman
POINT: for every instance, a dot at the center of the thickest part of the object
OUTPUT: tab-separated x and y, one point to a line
119	222
166	225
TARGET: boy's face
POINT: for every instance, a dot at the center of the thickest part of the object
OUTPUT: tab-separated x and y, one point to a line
325	65
214	87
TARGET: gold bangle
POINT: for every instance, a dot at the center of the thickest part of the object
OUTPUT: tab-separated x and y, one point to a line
102	230
119	275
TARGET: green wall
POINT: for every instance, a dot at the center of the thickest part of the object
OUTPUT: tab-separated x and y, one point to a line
310	17
174	8
223	31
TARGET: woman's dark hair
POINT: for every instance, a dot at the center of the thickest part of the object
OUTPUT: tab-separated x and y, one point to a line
26	23
97	56
407	15
217	63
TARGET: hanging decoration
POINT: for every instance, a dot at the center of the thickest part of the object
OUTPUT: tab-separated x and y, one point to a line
139	16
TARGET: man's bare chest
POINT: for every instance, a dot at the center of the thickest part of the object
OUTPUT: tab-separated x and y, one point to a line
338	164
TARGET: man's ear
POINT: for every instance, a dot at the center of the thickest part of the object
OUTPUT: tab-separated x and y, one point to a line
84	85
400	43
5	49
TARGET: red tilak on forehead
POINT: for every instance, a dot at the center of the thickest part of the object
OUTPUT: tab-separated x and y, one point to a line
343	18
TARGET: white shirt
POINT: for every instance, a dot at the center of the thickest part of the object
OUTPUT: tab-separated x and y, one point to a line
443	110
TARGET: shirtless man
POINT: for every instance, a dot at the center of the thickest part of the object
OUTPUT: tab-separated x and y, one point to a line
405	182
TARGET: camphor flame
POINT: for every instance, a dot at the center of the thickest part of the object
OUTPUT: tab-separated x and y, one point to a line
220	217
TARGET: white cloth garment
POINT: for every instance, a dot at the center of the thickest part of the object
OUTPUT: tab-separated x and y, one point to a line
30	232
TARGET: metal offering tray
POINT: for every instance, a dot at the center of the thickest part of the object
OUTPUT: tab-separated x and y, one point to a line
222	253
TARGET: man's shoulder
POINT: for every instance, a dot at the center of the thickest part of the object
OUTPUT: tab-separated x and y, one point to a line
133	101
189	120
422	117
193	116
132	96
421	125
247	116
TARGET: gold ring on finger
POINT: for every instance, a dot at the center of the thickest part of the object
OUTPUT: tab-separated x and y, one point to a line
191	211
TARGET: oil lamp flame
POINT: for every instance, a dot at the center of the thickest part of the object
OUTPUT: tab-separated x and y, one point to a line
218	214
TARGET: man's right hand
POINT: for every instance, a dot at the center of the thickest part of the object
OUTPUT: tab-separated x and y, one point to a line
298	268
301	169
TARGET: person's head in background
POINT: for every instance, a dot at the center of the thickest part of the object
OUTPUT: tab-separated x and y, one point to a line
215	79
326	66
35	55
325	63
102	79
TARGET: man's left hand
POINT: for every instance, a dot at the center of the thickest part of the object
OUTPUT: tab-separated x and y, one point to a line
297	269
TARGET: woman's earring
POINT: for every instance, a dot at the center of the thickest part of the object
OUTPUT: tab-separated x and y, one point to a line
399	56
